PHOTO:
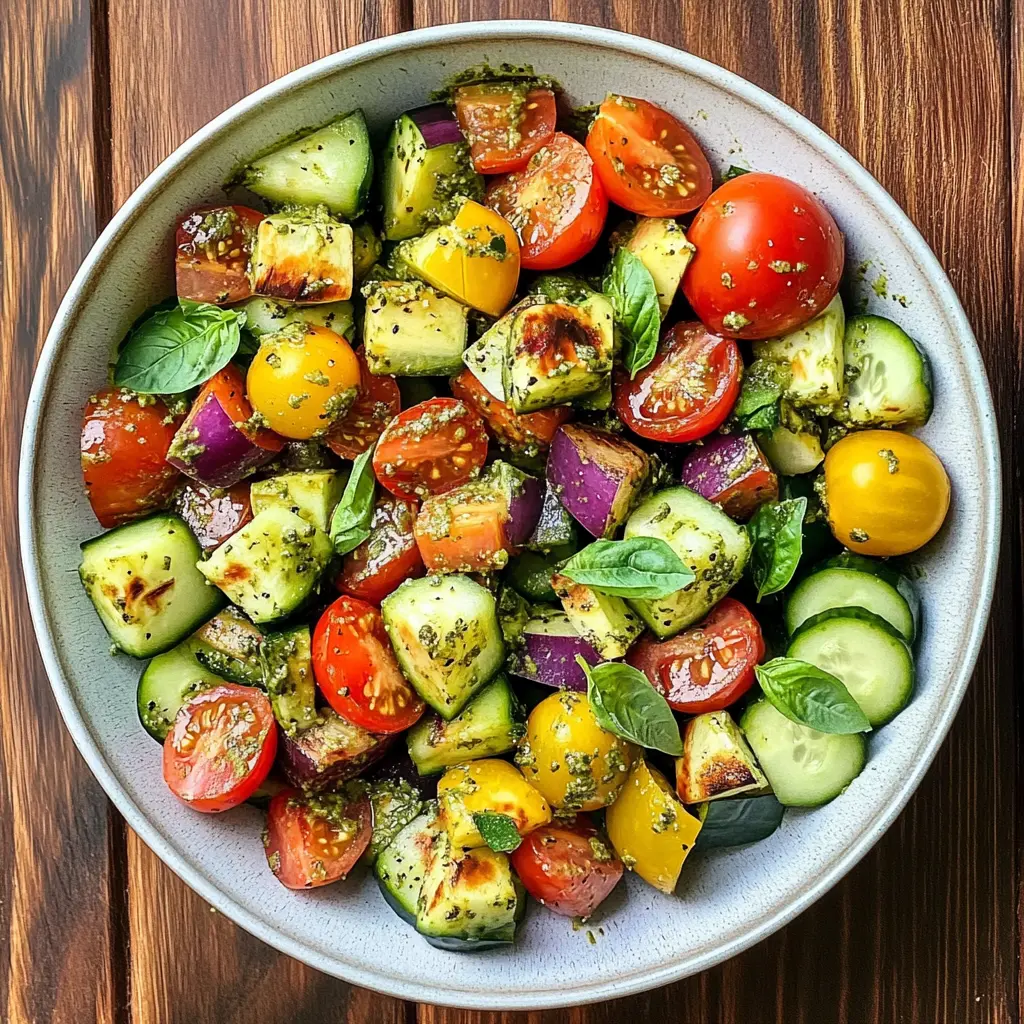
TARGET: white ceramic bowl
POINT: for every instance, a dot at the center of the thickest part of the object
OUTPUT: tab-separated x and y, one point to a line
726	901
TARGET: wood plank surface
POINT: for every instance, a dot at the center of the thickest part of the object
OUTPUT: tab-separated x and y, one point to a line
925	929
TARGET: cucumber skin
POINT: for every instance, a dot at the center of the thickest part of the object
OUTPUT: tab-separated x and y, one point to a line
742	820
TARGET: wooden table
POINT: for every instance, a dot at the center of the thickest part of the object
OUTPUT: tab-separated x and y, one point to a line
926	93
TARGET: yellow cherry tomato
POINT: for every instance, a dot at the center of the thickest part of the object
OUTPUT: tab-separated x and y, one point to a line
576	764
887	493
650	829
302	379
487	785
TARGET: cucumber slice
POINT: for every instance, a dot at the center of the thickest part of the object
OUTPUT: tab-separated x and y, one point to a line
143	581
849	588
268	316
888	380
874	665
167	682
806	768
737	821
289	679
402	864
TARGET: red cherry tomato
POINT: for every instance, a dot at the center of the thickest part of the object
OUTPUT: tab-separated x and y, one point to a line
212	249
430	448
686	391
567	866
529	434
710	665
213	514
647	160
503	126
375	406
387	557
769	257
125	438
220	748
312	841
356	669
555	203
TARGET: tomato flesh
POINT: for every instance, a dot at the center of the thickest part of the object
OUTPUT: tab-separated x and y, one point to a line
556	204
464	530
213	514
647	160
211	256
220	748
769	257
313	841
430	448
686	391
356	669
568	867
387	557
376	405
707	667
124	445
505	123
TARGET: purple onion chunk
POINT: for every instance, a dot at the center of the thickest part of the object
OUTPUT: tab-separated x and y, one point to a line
437	124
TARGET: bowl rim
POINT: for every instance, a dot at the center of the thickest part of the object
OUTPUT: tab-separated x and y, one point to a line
94	265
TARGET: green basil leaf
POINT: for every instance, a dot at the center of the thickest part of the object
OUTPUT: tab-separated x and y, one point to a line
638	567
499	831
809	696
776	543
626	704
634	299
734	172
350	524
179	348
757	408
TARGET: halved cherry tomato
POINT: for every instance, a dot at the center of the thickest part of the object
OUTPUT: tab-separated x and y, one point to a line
213	514
387	557
220	748
568	867
504	123
376	405
769	257
430	448
211	256
708	667
647	160
228	387
556	204
463	530
311	841
686	391
529	434
125	438
356	669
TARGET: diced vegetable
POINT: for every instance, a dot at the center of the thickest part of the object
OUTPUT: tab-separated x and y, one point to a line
530	572
289	676
604	621
792	453
732	473
661	245
167	682
212	246
486	356
464	529
505	122
548	652
395	803
523	495
402	864
328	752
232	647
737	821
268	316
212	513
716	761
555	527
312	496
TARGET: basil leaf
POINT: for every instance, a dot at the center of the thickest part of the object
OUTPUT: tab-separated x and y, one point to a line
499	831
179	348
626	704
350	524
757	408
638	567
809	696
734	172
776	543
634	299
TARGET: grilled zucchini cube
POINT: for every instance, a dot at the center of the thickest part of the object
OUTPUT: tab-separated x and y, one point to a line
311	495
605	621
716	761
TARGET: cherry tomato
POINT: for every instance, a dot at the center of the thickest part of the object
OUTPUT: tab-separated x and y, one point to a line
647	160
213	514
567	867
212	249
356	670
220	748
312	841
710	665
375	406
387	557
686	391
504	123
464	530
769	257
555	203
886	493
529	434
125	438
430	448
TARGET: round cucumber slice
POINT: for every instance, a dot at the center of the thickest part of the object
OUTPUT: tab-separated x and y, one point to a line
875	666
806	768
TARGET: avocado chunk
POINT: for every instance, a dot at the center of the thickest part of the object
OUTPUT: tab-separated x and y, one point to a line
269	316
605	621
662	247
716	761
311	495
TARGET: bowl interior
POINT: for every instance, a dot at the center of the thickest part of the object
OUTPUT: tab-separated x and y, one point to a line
726	900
